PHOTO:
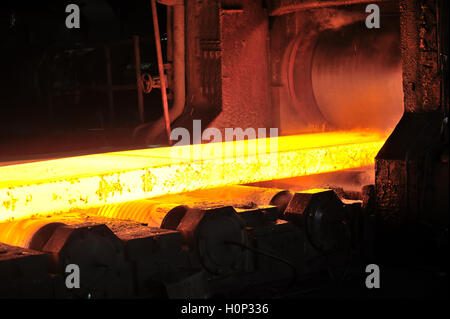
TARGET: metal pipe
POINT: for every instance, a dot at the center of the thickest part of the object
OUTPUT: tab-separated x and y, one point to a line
161	71
179	60
137	56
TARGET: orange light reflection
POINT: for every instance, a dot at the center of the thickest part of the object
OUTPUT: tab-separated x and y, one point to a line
88	181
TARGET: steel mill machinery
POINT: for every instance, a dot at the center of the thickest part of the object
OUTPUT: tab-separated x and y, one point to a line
347	165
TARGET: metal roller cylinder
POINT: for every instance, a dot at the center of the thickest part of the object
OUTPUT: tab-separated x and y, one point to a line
149	212
356	76
216	235
94	249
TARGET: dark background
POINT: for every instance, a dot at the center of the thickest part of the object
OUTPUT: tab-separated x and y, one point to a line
49	78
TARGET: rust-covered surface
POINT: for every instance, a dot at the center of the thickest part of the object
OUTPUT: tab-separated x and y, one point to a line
410	171
244	46
410	168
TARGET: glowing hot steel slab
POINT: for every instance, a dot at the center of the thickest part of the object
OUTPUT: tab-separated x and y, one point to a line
93	180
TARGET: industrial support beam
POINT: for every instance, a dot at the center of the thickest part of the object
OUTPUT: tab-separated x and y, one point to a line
93	180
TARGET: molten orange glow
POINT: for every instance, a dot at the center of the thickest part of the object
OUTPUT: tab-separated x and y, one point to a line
21	232
94	180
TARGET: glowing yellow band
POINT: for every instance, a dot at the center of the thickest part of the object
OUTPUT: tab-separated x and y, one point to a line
93	180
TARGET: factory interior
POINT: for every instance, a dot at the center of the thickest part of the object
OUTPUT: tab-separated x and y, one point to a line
224	149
